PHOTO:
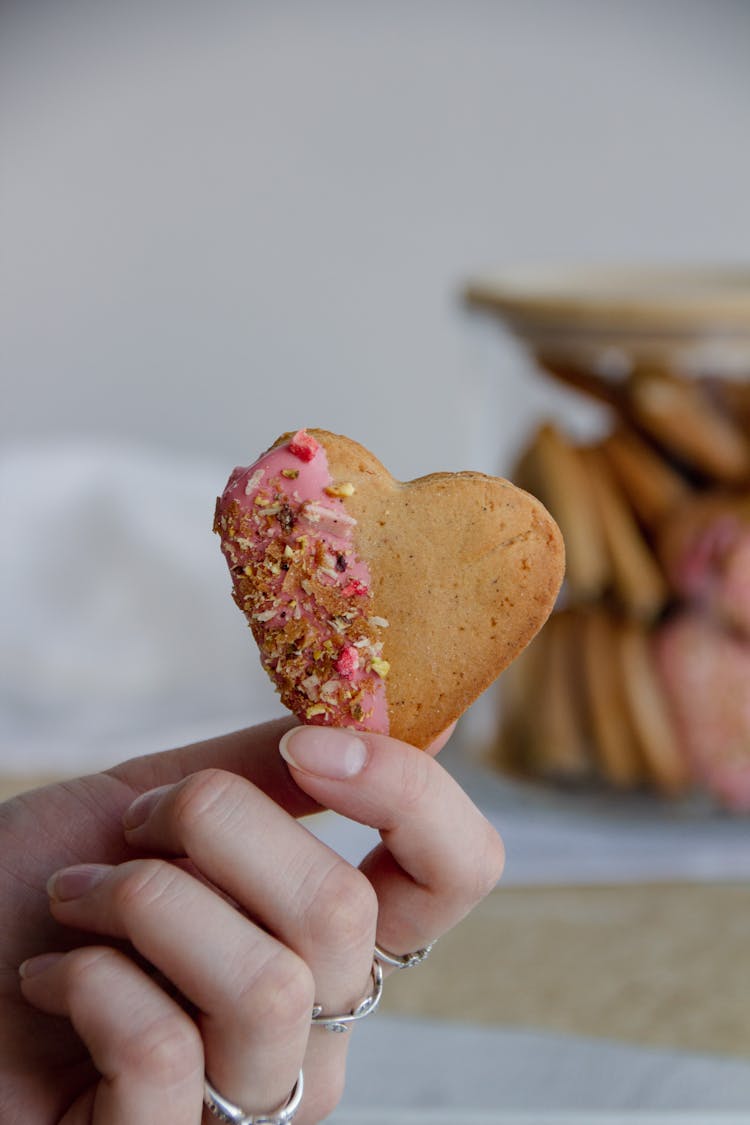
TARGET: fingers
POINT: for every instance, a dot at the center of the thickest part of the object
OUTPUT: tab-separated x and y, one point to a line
295	886
146	1048
255	996
440	855
250	753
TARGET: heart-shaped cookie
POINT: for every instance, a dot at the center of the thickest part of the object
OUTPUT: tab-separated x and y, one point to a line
380	605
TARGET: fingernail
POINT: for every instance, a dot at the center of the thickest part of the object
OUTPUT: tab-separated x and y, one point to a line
324	751
73	882
36	965
142	807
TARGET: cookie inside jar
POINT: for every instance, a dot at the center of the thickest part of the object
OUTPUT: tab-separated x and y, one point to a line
645	664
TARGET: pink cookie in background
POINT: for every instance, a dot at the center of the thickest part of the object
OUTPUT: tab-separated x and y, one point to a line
705	671
705	551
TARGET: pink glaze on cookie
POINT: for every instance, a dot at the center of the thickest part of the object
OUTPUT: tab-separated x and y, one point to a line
289	544
713	569
705	671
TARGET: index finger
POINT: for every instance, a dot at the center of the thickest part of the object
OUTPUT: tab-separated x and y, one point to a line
251	753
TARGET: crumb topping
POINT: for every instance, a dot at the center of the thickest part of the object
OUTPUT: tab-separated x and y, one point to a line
298	581
303	445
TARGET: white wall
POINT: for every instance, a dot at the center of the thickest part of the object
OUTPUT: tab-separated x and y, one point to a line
223	220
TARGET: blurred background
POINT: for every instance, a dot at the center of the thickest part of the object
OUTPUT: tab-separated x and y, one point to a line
223	221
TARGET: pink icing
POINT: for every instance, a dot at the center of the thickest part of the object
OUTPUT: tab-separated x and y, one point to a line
714	570
705	671
262	512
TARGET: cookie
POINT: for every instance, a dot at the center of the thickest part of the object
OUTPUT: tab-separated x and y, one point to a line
650	717
705	670
609	718
685	420
649	482
560	750
705	550
382	605
551	468
637	580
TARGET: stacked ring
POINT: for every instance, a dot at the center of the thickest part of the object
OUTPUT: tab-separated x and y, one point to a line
403	960
226	1111
364	1008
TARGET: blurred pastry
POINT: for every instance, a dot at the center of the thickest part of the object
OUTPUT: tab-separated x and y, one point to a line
682	418
649	482
636	576
611	726
551	469
705	550
664	762
705	670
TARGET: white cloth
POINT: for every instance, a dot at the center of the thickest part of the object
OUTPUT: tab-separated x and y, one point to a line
118	629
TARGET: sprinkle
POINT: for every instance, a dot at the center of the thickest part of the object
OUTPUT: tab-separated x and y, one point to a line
340	489
311	685
354	587
348	662
266	615
286	518
378	622
316	709
314	512
303	446
288	552
271	510
290	474
380	667
253	481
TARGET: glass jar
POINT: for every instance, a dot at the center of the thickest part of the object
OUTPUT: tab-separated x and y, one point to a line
641	679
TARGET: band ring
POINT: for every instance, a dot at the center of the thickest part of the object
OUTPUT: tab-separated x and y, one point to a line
403	960
227	1111
364	1008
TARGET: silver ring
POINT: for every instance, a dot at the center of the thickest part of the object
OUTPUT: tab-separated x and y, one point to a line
364	1008
226	1111
404	960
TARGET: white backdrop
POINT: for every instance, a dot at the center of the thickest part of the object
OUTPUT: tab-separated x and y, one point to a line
223	220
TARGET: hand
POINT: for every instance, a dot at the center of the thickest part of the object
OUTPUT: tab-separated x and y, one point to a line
222	919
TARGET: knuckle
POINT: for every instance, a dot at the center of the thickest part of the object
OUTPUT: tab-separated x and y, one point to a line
491	864
281	995
142	883
167	1051
86	969
202	794
344	912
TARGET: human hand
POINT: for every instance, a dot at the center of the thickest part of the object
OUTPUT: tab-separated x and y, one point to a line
247	919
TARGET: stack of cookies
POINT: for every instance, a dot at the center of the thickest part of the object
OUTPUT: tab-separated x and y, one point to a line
641	679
